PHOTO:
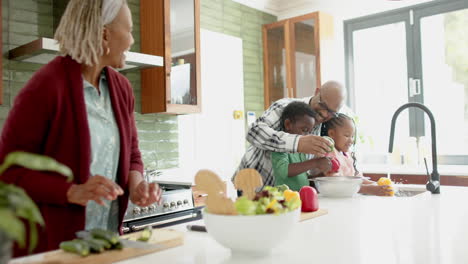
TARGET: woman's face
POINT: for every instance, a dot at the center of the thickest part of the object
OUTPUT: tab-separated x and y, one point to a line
118	38
302	126
343	135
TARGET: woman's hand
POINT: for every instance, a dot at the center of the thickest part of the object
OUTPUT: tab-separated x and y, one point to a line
315	145
145	194
95	189
379	190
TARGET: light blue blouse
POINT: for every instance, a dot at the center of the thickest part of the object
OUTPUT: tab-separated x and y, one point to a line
105	149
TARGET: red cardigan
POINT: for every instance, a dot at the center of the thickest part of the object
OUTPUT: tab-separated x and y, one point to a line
49	117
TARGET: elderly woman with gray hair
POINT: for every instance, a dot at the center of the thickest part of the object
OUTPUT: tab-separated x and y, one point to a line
78	110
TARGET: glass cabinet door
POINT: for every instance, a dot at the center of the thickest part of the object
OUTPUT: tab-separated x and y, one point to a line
183	86
304	55
275	59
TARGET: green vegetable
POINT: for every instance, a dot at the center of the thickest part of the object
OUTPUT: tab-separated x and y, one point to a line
332	142
283	187
96	245
244	206
109	236
77	246
261	209
270	200
146	234
104	242
118	245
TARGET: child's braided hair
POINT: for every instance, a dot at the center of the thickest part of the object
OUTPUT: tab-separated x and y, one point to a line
337	122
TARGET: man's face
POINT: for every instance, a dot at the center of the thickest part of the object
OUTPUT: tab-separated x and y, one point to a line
326	109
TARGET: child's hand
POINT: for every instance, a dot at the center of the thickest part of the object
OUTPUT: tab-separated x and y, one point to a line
379	190
324	164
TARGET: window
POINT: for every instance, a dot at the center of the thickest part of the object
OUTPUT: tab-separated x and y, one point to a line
414	54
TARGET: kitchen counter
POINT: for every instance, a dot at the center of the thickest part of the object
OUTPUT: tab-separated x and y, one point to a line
364	229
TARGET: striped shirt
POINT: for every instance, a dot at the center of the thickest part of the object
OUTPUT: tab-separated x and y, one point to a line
265	137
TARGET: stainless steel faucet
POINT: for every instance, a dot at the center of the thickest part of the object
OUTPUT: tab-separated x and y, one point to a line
433	185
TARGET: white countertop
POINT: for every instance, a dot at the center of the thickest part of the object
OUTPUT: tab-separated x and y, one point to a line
364	229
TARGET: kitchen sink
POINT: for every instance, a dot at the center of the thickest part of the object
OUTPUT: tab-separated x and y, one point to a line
409	190
405	193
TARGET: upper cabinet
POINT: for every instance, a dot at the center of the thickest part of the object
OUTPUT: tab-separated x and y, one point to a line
1	62
171	29
291	55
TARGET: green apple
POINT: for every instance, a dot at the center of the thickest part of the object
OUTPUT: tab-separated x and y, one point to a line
332	142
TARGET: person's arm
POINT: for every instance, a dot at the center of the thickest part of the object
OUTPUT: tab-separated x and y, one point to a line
374	189
366	181
26	129
322	164
264	134
283	168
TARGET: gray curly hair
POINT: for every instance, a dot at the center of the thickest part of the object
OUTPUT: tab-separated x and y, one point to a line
79	33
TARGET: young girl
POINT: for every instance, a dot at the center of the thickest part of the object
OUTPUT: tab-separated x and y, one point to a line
291	168
342	130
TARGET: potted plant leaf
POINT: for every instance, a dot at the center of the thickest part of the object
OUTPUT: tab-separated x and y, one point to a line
16	205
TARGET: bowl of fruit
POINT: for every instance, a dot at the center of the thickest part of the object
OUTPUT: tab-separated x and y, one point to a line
252	224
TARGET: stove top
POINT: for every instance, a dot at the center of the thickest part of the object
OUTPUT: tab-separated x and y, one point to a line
175	198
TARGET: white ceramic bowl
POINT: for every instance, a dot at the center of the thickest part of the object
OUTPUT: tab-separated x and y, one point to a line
338	186
255	235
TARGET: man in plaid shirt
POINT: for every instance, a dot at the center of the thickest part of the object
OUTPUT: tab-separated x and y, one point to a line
265	136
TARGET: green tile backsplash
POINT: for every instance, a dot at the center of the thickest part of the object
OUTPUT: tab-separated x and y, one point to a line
26	20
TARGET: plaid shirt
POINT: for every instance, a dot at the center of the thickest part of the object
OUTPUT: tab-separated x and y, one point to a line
265	136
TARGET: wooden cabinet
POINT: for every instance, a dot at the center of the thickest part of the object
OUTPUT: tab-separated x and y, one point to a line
1	62
171	28
291	55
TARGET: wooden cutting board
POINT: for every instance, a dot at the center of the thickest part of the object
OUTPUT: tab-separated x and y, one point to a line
319	212
162	238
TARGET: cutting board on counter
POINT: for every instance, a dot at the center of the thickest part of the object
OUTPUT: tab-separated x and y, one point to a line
161	239
319	212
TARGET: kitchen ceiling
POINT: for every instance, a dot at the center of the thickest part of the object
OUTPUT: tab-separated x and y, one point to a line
344	8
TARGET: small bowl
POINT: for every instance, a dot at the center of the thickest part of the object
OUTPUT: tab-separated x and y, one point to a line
254	235
338	186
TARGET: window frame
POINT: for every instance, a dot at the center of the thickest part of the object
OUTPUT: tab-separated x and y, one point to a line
411	16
